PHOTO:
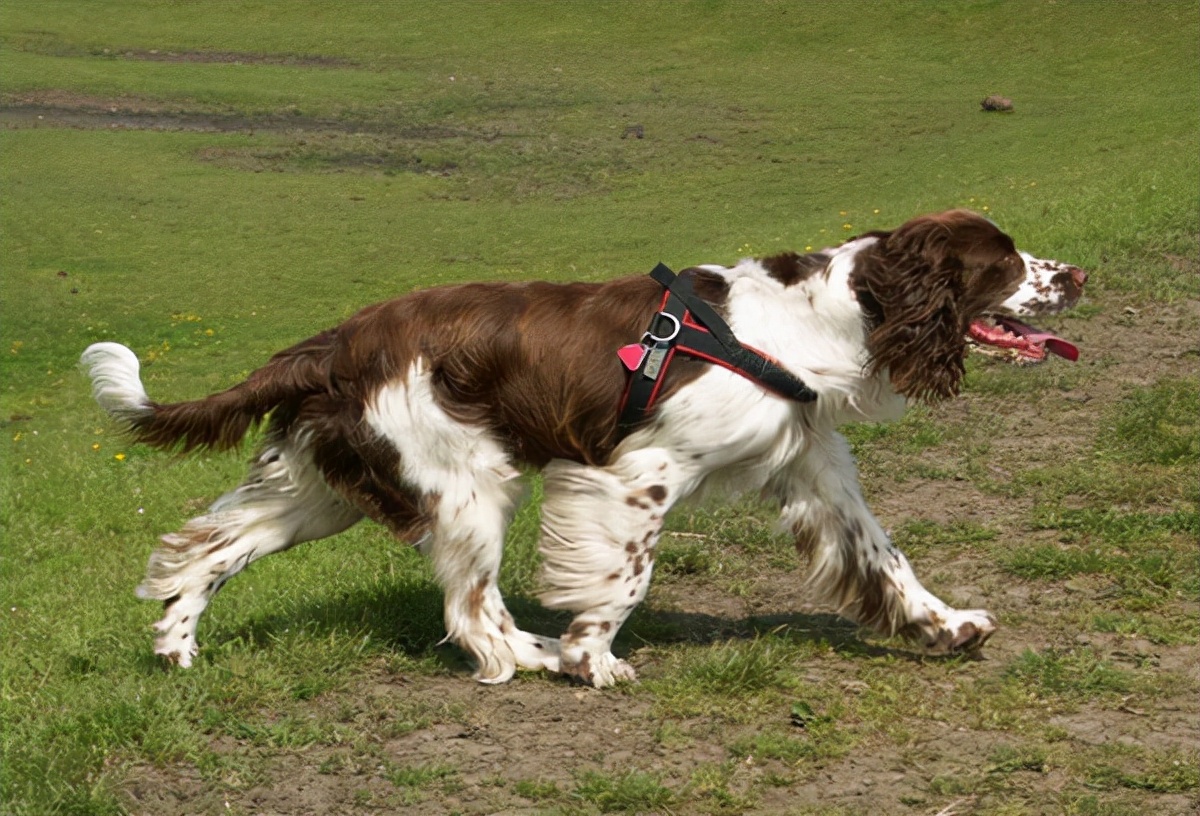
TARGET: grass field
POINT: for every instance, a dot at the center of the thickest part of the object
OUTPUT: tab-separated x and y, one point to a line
209	182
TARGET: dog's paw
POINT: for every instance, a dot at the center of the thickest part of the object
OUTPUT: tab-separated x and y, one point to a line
494	666
599	671
962	631
613	670
536	652
176	640
176	655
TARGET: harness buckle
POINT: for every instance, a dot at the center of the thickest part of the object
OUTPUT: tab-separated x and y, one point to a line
654	338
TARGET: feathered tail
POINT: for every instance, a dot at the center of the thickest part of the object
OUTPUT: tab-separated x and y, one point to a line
218	421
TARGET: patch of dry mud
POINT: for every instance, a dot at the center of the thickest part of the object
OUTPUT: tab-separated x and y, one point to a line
231	58
64	109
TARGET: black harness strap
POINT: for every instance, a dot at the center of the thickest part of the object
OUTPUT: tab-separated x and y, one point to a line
687	325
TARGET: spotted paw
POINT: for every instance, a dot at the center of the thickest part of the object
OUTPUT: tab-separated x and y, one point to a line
176	655
963	632
534	651
599	671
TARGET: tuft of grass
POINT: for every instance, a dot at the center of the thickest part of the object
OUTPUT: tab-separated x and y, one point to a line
739	669
1118	527
537	789
1076	675
1165	630
1134	767
1155	426
785	747
420	776
916	431
629	792
676	556
1007	759
1148	558
1051	562
919	537
714	785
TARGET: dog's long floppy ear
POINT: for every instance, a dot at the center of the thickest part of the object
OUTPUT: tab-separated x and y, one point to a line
921	286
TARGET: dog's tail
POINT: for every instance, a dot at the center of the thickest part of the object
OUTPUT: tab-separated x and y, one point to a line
218	421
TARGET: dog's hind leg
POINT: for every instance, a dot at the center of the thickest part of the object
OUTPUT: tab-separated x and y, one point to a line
465	480
600	527
283	502
465	547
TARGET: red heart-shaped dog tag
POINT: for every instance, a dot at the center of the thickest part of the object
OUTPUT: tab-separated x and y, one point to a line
632	355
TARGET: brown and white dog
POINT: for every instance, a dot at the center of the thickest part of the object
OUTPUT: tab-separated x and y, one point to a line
418	412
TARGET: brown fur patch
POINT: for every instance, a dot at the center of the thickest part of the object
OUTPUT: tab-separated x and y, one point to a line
921	286
581	671
790	268
708	286
578	630
475	598
806	539
533	363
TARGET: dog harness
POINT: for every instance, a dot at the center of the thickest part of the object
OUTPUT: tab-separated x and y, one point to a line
685	324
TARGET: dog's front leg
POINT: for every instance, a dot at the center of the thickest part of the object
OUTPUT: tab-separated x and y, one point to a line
599	530
855	568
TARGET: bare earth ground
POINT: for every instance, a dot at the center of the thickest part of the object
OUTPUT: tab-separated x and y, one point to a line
485	739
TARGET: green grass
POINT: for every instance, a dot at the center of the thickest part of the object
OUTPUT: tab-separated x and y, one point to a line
1078	674
1162	772
420	776
628	792
536	789
385	147
1156	426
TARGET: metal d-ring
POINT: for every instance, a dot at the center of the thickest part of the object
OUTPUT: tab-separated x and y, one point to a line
674	332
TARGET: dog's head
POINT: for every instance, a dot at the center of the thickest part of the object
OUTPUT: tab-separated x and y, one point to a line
1049	287
928	289
921	286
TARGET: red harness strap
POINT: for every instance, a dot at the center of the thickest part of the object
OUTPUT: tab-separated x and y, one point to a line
688	325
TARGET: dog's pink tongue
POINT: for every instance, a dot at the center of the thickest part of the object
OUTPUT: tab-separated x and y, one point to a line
1052	342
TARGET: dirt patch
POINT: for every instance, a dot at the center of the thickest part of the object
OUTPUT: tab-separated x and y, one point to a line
230	58
49	44
297	142
524	746
79	111
385	155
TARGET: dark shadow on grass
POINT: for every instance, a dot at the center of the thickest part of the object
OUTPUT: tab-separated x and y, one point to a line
655	627
408	620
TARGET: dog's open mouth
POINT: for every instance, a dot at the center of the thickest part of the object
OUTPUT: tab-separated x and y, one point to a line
1022	342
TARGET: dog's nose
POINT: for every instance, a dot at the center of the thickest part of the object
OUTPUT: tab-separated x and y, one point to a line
1079	276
